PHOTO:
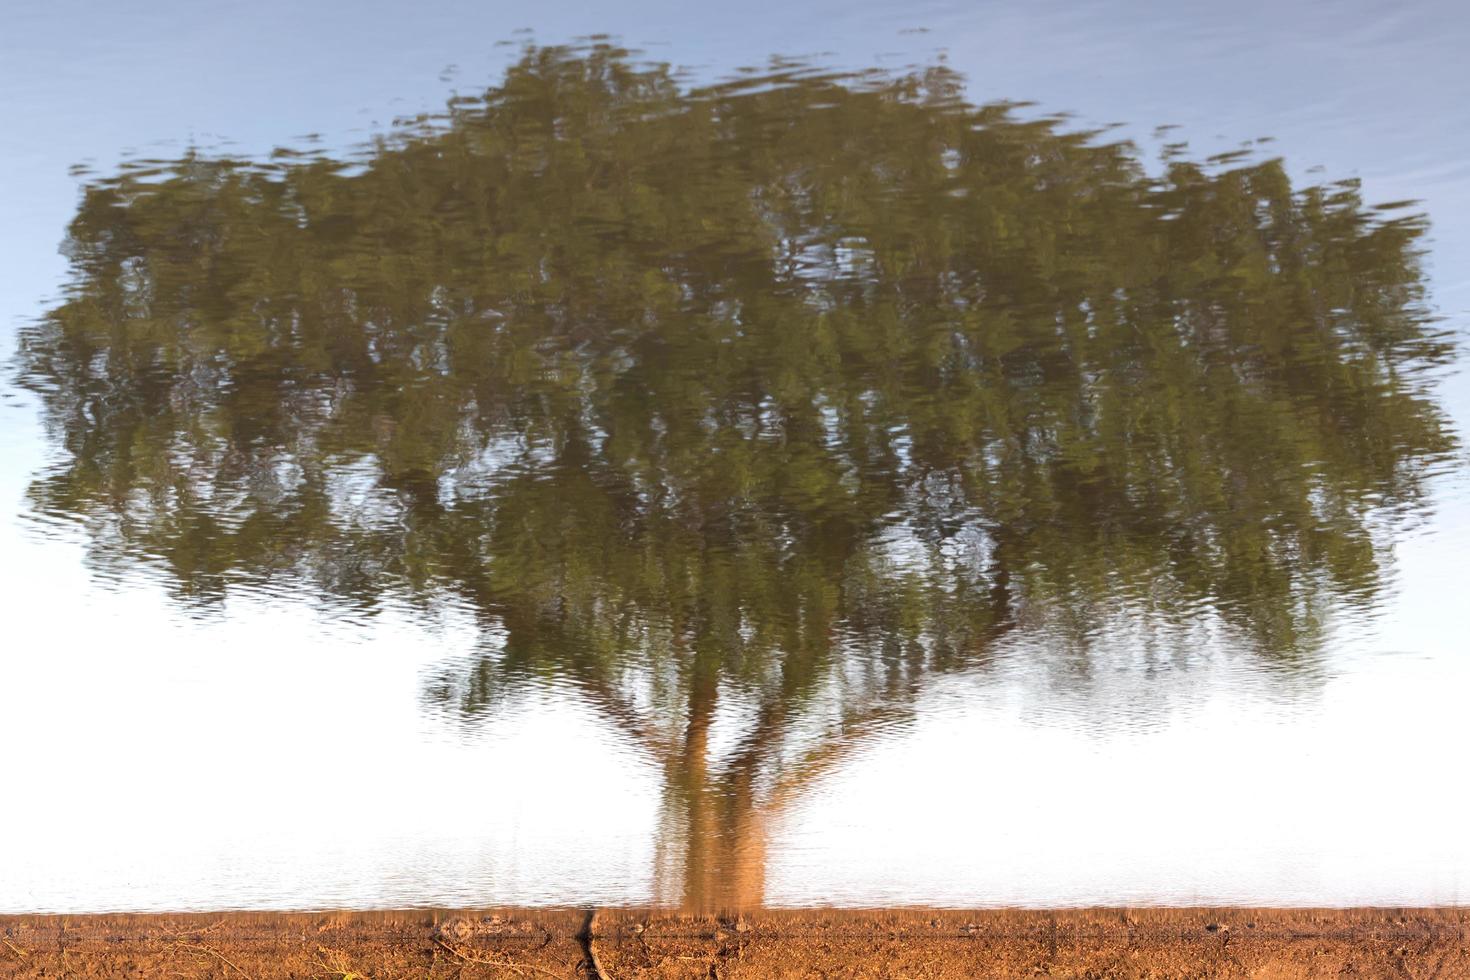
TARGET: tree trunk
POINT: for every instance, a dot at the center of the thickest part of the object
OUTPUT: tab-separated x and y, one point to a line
713	822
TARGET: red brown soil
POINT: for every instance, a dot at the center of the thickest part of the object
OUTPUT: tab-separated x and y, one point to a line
1089	943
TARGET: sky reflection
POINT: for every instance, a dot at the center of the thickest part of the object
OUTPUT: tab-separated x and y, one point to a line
1201	778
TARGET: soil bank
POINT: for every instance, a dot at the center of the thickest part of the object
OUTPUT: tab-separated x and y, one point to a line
617	944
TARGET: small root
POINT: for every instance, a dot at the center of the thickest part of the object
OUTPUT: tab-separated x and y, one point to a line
595	969
338	965
180	944
520	968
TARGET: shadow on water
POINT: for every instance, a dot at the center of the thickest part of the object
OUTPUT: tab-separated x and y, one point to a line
745	409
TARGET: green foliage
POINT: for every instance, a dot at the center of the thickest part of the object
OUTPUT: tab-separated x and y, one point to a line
715	381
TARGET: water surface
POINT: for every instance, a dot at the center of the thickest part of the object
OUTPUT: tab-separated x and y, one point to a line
812	484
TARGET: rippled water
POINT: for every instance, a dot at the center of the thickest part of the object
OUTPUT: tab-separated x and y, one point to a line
834	481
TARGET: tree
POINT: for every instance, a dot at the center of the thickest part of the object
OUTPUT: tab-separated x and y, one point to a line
792	390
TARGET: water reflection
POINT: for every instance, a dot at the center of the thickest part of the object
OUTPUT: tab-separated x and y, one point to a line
745	409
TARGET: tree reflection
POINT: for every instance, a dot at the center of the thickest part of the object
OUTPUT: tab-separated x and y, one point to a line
784	393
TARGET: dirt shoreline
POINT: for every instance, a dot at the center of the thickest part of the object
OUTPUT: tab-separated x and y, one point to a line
626	943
